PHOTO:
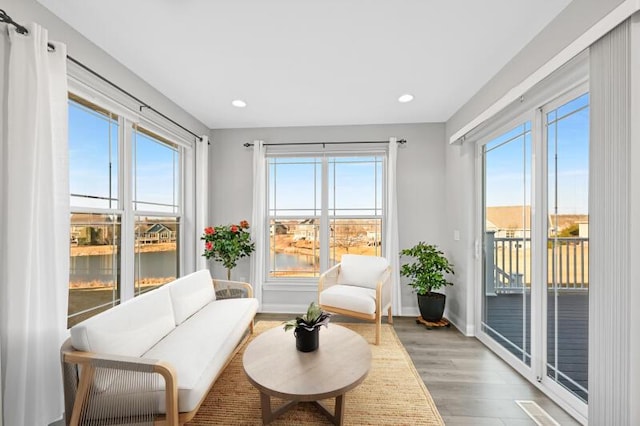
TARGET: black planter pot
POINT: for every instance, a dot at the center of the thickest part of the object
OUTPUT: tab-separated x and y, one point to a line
431	306
307	341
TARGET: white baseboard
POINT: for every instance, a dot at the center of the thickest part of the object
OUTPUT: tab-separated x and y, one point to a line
282	308
410	311
466	329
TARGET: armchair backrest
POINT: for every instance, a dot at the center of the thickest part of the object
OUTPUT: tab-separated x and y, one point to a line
362	271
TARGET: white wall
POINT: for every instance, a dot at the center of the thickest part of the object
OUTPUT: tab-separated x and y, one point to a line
87	53
421	181
4	54
25	11
573	21
80	48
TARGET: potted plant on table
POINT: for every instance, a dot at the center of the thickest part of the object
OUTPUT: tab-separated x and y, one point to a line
307	327
427	273
228	244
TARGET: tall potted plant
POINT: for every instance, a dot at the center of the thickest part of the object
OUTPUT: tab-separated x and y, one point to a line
427	273
227	244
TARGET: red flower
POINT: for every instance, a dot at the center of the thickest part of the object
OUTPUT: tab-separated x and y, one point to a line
208	245
244	224
234	229
209	230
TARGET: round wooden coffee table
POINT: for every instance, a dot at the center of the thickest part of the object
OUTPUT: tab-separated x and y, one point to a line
276	368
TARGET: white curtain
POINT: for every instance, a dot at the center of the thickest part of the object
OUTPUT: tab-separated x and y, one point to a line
391	244
258	217
202	199
35	254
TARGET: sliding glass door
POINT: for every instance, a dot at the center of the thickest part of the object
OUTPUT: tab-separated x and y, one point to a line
567	301
506	315
535	240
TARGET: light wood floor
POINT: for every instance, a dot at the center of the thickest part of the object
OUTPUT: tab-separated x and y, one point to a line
469	384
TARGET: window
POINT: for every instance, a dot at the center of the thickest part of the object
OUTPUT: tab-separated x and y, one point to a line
355	206
126	189
320	208
95	233
156	171
93	155
155	192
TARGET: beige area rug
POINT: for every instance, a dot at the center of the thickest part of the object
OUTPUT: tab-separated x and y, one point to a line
392	393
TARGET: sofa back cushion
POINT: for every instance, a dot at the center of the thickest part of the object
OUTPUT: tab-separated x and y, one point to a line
130	328
362	271
190	293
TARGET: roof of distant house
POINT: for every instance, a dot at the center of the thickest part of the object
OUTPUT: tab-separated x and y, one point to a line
509	217
513	217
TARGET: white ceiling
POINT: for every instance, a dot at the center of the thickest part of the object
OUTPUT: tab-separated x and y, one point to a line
305	62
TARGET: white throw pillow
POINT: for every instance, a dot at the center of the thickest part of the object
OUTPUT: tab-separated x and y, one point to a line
190	293
130	328
363	271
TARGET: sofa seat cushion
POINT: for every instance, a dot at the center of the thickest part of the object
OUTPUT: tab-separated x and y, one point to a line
190	293
130	328
199	348
357	299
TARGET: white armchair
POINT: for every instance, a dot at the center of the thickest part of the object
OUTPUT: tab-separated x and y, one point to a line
358	287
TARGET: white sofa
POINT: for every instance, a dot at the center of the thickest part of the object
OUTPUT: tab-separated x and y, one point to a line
157	355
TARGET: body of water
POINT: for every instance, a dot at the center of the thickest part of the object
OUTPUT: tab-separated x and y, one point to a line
284	261
105	267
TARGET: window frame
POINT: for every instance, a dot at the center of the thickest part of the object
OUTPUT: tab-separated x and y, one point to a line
304	283
128	123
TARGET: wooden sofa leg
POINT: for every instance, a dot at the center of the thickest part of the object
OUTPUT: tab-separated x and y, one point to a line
389	317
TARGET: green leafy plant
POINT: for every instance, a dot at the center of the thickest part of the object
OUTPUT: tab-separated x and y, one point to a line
427	271
227	244
314	318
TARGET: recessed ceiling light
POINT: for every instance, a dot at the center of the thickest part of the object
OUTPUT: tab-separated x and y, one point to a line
405	98
239	103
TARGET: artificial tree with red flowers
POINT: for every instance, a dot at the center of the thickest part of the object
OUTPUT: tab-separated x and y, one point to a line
227	244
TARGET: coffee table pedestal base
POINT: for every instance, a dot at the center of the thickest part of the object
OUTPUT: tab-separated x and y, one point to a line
268	415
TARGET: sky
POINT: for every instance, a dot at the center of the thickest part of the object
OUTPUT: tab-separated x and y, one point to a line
355	185
356	182
509	164
93	163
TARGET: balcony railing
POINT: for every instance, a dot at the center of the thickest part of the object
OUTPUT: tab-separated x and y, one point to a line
508	264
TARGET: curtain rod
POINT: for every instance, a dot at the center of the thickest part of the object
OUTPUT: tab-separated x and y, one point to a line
248	144
23	30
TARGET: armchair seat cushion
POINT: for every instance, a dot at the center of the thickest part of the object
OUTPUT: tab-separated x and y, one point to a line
357	299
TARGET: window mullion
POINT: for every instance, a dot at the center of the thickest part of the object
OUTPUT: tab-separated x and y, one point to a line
324	216
127	245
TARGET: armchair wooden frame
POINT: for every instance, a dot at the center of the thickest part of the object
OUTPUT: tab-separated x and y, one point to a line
77	393
383	298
